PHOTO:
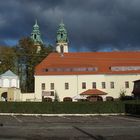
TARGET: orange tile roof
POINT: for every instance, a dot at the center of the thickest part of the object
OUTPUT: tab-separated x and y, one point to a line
93	92
100	60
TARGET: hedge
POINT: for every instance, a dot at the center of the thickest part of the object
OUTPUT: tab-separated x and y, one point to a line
132	108
63	107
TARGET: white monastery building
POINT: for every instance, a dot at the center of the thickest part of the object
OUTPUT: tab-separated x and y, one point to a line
83	74
70	74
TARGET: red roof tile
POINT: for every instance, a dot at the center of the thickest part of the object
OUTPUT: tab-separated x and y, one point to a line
103	61
93	92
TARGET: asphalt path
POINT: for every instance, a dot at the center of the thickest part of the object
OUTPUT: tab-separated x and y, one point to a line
69	128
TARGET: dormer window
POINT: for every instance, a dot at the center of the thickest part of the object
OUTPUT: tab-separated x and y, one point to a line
125	68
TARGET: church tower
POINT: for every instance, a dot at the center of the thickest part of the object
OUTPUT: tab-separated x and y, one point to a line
62	39
36	36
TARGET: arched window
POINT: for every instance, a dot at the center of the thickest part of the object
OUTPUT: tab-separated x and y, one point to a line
47	99
94	98
67	99
35	36
4	96
61	35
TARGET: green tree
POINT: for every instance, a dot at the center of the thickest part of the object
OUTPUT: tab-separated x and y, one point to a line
7	59
28	58
56	97
122	94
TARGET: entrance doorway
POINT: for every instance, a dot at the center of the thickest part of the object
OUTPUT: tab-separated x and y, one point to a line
4	96
94	98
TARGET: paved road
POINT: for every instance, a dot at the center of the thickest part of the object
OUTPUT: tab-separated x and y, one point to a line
69	128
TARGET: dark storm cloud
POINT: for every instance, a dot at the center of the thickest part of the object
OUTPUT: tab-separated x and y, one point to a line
96	25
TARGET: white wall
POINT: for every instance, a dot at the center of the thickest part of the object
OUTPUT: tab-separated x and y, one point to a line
27	97
6	83
9	82
65	47
0	83
75	84
13	83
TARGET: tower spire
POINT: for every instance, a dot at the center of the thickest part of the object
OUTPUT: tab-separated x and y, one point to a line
36	21
36	36
62	21
62	39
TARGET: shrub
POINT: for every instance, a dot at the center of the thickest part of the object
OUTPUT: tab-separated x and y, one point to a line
132	108
125	98
64	107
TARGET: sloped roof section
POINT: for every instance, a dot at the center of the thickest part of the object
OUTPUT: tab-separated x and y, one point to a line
8	73
93	92
90	63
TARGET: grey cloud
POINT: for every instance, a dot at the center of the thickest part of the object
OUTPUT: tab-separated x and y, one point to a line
92	25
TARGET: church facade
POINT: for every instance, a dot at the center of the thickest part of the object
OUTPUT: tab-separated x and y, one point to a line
85	74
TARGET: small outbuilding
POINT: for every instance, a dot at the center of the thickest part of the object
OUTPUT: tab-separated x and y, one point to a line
93	94
9	87
9	79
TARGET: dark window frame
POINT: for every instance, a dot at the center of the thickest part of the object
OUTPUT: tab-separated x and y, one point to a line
112	85
43	86
103	85
52	86
83	85
94	85
66	86
126	84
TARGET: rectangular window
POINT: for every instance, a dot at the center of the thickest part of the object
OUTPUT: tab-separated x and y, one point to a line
43	86
52	86
111	84
103	85
83	85
126	84
93	84
66	85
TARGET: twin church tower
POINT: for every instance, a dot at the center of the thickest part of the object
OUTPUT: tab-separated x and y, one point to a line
61	38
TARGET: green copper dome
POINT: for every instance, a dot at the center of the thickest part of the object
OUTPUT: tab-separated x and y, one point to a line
61	34
35	35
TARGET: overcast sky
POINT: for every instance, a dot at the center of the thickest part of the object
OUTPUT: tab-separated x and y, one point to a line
92	25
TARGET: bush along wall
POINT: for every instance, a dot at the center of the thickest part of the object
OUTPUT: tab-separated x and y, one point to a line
132	108
65	107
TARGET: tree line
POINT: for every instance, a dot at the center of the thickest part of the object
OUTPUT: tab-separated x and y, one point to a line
22	59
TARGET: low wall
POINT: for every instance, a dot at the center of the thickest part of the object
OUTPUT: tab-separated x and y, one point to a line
11	94
27	97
